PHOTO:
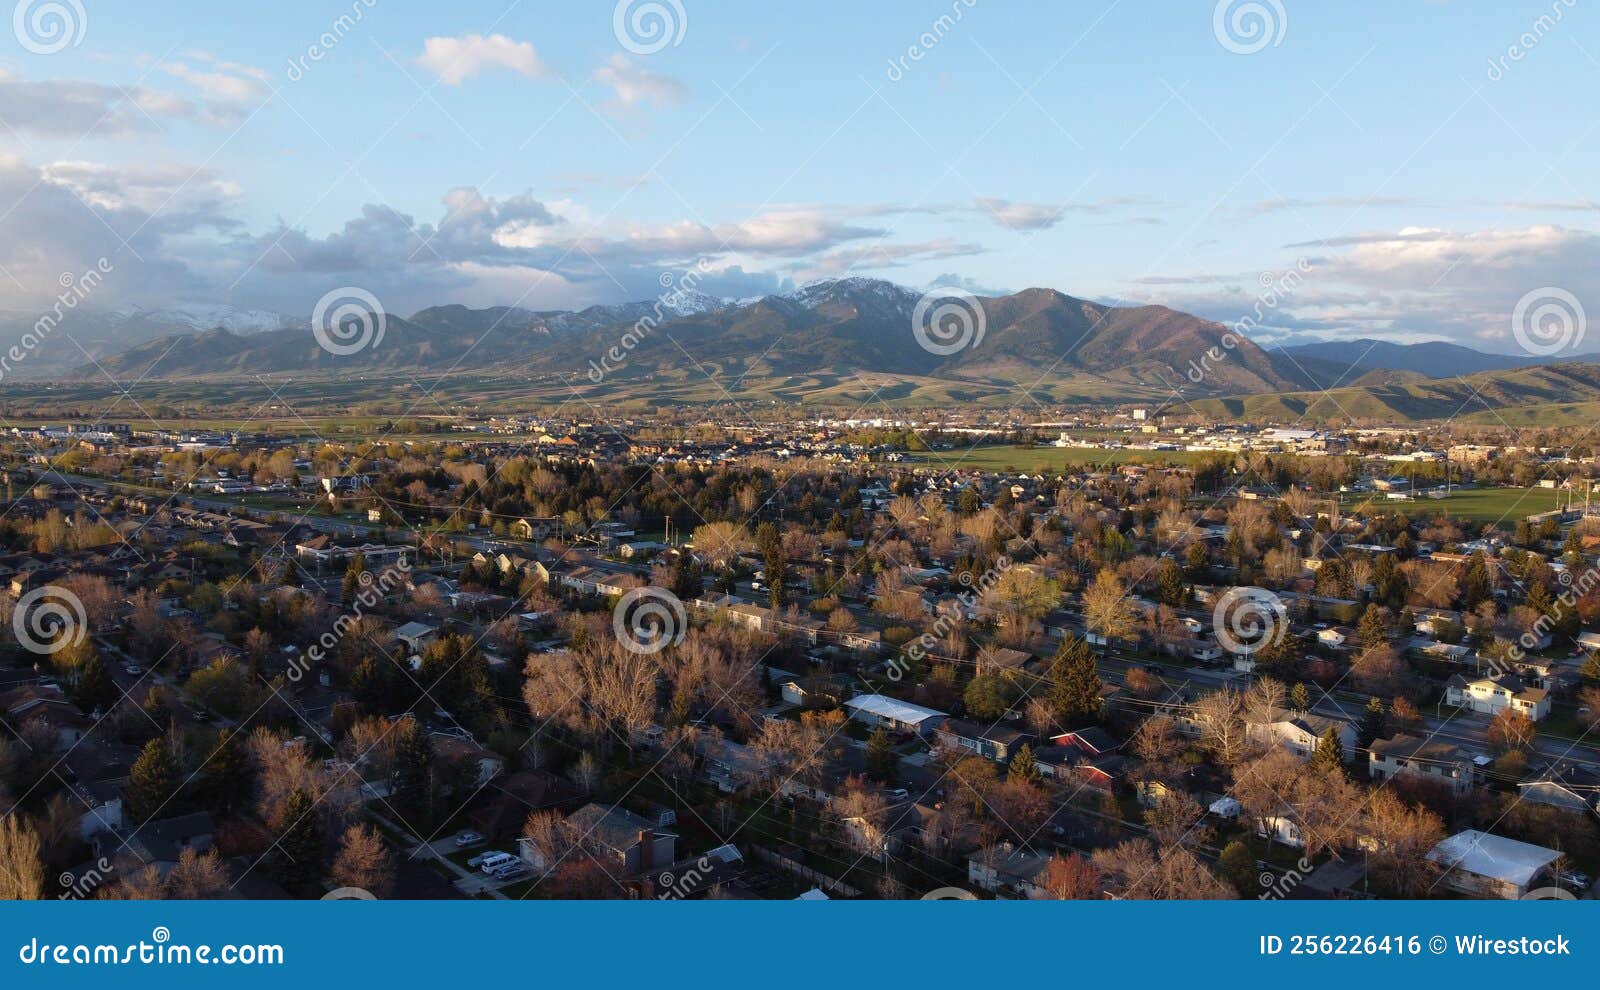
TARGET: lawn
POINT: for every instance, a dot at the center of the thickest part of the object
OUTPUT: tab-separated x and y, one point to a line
1478	505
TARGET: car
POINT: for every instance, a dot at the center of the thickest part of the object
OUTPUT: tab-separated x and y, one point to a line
477	860
495	860
468	838
1573	878
510	871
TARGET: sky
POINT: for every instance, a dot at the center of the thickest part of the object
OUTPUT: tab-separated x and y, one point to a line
1422	166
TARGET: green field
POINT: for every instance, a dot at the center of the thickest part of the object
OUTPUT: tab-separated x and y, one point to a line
1479	505
1045	459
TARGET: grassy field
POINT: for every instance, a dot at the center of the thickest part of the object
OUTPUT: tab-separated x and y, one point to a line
1479	505
1040	460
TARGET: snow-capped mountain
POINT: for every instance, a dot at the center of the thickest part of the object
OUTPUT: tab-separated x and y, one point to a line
201	316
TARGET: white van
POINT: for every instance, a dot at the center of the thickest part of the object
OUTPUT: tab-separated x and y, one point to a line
494	861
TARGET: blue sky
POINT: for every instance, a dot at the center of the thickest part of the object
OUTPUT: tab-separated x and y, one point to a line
1422	174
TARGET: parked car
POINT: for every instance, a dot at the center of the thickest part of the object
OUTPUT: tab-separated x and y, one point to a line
468	838
495	860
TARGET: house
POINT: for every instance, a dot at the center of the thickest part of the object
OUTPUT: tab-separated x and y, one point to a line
623	842
416	635
1335	637
1301	734
1569	786
1482	864
1424	759
1006	871
994	742
45	703
1490	695
508	800
535	528
893	714
1093	741
159	842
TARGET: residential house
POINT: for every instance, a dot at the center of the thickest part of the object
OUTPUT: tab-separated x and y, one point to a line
995	742
1491	695
1482	864
1425	759
893	714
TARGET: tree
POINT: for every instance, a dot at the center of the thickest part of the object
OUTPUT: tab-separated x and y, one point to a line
1170	589
1075	684
1300	697
1328	757
1023	768
1401	838
1374	723
228	778
1237	865
21	868
1510	729
882	763
152	782
1374	626
364	861
1071	878
297	849
413	790
988	696
1106	609
198	876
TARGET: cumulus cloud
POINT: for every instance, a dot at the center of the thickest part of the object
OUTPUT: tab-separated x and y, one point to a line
634	85
454	60
1414	283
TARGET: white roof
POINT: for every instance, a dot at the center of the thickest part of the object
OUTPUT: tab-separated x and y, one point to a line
1490	855
892	708
814	894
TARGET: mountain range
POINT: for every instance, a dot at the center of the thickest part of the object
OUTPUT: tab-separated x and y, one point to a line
844	339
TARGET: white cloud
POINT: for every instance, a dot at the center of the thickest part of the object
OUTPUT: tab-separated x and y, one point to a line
635	85
454	60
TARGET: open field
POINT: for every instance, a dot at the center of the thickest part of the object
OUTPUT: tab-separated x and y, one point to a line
1478	505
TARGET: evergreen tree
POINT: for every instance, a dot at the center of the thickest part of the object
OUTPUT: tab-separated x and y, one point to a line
1169	583
352	577
297	853
776	563
1328	758
1374	627
1300	697
883	764
1374	724
1023	768
227	780
152	782
413	772
1075	684
1237	865
92	686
